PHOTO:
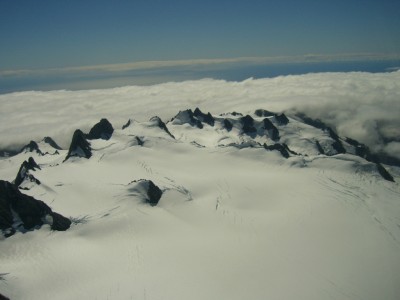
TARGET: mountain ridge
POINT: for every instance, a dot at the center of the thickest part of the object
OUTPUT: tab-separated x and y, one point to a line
232	209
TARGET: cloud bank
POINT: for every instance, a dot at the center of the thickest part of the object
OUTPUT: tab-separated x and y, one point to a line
362	106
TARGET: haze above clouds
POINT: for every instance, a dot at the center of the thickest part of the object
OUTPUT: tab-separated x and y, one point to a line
362	106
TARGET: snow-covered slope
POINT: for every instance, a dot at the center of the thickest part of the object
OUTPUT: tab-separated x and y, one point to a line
255	206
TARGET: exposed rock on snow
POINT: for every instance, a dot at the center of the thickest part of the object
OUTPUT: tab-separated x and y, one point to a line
248	125
384	173
319	147
282	148
79	147
102	130
23	173
263	113
51	142
206	118
187	117
139	141
149	192
228	124
31	147
281	119
22	212
161	125
3	297
337	144
271	129
263	129
127	124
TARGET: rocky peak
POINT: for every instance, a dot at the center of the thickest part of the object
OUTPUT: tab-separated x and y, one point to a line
161	125
31	147
51	142
271	129
79	147
23	173
102	130
248	125
206	118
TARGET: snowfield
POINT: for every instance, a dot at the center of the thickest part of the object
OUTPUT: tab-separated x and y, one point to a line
236	220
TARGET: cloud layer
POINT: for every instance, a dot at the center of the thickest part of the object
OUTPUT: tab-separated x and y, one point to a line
363	106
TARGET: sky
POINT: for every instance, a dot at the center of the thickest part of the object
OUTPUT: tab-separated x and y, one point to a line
57	35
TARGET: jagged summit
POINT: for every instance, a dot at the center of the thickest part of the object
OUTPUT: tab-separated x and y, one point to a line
24	174
202	117
102	130
47	146
31	147
157	120
79	147
274	132
187	117
297	136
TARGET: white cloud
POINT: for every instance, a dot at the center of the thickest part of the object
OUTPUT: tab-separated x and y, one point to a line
363	106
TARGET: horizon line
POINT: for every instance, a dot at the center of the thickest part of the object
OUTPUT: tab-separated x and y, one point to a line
162	64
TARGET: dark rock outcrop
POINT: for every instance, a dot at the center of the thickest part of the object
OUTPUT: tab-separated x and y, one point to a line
187	117
79	147
51	142
102	130
162	125
319	147
127	124
3	297
228	125
364	152
154	193
59	222
272	130
202	117
6	216
384	173
31	147
282	148
139	141
337	144
248	125
23	172
148	190
29	212
263	113
281	119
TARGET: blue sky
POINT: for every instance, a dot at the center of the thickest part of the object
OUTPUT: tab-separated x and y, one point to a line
44	34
